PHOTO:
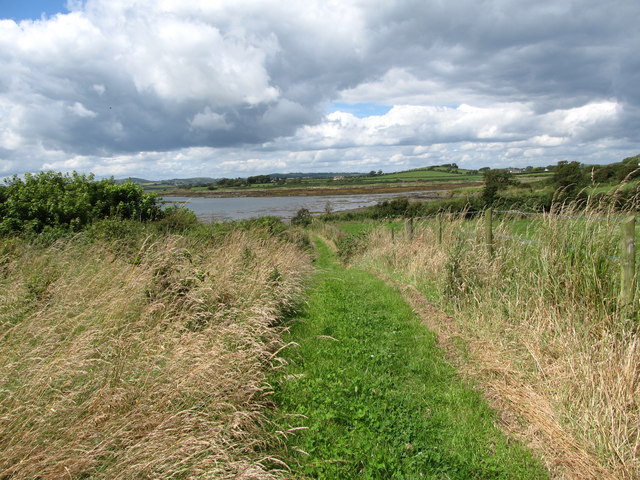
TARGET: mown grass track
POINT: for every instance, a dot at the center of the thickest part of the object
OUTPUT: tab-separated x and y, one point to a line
375	397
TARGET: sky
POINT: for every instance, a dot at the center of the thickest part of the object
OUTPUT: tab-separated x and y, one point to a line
224	88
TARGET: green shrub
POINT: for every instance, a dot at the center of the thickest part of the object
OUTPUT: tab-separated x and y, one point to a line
349	245
177	219
50	201
302	218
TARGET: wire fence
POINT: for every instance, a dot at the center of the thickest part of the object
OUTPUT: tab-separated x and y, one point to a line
626	258
547	215
474	213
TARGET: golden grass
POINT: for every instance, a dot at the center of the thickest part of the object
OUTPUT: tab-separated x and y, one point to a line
145	365
539	330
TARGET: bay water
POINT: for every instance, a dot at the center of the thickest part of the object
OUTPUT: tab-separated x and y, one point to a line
241	208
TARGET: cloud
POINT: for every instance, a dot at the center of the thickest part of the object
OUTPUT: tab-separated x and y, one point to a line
177	86
208	120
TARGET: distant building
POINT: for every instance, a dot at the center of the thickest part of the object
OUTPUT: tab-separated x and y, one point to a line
338	177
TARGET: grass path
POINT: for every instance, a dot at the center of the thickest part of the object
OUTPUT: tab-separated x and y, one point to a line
375	397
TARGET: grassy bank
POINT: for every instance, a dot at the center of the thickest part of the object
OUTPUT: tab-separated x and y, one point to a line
538	326
367	394
128	353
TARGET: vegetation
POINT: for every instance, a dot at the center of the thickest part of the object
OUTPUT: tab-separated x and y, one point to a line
51	201
367	394
565	183
302	217
141	345
569	177
495	180
538	326
128	352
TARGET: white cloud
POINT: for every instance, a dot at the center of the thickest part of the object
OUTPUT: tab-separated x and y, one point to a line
200	87
208	120
81	111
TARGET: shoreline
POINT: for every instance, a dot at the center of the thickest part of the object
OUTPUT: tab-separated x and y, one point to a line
430	191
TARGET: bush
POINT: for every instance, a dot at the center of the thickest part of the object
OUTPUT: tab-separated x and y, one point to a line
67	203
569	177
350	245
177	219
391	208
302	218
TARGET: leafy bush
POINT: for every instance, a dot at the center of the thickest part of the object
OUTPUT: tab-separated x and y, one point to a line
349	245
302	218
63	202
391	208
177	219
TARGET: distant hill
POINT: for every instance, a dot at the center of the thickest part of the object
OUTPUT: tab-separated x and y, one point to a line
199	181
131	179
172	181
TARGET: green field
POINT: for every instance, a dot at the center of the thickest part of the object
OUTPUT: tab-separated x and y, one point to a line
427	175
430	174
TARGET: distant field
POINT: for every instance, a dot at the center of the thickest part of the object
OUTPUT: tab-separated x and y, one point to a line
424	174
419	176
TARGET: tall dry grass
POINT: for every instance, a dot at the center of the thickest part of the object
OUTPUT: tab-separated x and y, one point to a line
539	328
143	361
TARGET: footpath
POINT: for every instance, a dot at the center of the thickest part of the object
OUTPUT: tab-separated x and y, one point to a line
367	394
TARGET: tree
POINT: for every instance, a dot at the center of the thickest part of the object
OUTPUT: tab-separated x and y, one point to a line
495	180
569	176
258	179
629	168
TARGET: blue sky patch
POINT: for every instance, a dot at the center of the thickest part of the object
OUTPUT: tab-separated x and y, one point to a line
31	9
360	110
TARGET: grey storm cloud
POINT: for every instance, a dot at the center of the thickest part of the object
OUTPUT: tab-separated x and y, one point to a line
253	79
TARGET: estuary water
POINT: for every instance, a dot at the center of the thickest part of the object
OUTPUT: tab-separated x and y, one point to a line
242	208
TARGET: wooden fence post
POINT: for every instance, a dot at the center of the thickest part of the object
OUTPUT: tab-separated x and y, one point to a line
628	260
408	227
439	227
488	232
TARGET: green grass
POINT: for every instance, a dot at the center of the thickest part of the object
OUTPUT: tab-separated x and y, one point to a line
375	397
612	187
422	174
357	228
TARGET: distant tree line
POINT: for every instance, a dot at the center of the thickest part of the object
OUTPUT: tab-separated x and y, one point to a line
243	182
